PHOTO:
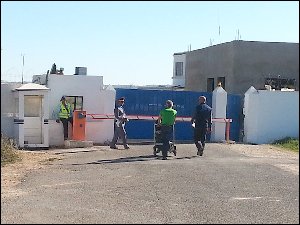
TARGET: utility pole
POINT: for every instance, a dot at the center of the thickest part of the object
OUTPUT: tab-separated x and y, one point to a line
23	68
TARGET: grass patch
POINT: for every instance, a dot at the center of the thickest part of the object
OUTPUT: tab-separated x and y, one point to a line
8	151
289	143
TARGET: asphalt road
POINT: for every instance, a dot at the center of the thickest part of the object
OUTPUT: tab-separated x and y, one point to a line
228	184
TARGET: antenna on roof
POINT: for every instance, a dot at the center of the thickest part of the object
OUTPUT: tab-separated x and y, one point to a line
238	37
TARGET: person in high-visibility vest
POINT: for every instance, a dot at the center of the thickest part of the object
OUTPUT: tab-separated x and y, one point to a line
64	113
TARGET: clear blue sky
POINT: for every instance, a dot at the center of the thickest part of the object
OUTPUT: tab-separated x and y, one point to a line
130	42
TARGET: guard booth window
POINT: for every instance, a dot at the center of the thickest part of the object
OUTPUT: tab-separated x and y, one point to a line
76	102
32	106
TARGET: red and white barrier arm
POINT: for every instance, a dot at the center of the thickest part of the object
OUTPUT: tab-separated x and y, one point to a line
143	117
101	116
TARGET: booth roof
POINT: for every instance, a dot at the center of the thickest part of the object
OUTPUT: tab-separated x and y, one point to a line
32	86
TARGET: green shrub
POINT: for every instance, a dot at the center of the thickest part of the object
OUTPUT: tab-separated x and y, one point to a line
8	151
288	143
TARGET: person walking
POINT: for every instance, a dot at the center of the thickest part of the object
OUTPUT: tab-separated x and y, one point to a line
119	125
201	121
64	113
166	119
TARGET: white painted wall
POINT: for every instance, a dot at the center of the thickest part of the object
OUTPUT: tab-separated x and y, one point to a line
100	131
96	100
270	115
179	81
8	108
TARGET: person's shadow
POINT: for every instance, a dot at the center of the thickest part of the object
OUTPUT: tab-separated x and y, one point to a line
128	159
141	158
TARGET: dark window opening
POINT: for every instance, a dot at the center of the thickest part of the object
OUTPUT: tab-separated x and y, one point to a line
76	102
179	69
221	82
210	84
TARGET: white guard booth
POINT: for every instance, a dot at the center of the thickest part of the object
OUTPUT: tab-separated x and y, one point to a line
31	128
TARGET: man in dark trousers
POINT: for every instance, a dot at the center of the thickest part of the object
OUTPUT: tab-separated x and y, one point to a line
119	125
64	113
166	119
201	121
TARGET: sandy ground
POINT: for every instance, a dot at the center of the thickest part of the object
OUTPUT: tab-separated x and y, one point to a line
13	174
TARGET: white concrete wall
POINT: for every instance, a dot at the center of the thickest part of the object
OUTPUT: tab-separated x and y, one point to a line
179	81
96	100
100	131
8	108
270	115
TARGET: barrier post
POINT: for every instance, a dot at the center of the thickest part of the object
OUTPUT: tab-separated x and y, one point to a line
79	121
227	130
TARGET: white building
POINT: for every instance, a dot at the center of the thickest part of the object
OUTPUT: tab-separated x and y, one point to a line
27	109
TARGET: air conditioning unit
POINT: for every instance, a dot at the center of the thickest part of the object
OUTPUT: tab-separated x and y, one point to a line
80	71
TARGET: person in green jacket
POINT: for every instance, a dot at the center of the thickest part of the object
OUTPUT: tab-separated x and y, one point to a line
166	119
64	113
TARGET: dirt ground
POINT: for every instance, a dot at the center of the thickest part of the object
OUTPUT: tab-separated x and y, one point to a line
13	174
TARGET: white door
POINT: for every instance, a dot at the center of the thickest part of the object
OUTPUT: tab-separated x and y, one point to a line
33	116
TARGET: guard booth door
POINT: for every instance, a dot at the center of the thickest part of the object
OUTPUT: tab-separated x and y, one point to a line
33	119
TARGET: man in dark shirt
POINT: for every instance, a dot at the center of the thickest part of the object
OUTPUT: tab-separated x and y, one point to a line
201	121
